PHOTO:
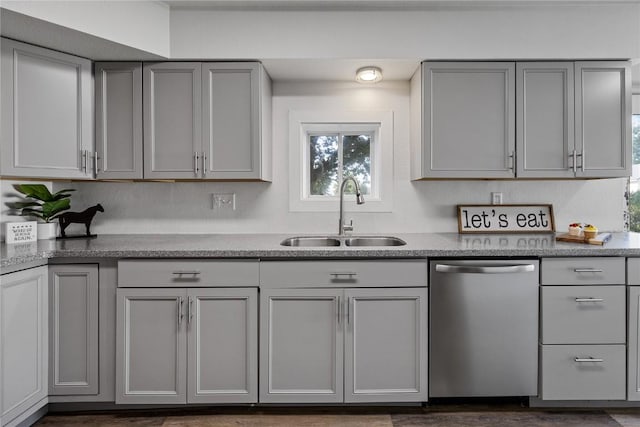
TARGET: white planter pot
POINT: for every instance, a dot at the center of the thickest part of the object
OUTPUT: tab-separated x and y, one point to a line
47	230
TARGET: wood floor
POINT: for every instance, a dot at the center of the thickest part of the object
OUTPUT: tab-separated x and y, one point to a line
445	416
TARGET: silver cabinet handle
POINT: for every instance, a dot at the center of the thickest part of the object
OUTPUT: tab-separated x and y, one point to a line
589	299
185	272
485	269
196	167
204	164
189	310
180	301
95	161
83	155
348	274
338	305
587	270
581	155
512	160
587	359
349	300
575	161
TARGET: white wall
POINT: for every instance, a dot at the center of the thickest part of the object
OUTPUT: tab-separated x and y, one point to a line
142	25
425	206
562	32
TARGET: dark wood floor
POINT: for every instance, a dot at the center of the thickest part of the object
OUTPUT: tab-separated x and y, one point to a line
442	415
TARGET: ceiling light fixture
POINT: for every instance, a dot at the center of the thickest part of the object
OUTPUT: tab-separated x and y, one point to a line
369	75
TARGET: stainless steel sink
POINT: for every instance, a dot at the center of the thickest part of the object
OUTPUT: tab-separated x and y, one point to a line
310	241
374	241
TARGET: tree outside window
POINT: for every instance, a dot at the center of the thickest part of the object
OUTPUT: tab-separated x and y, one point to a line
634	194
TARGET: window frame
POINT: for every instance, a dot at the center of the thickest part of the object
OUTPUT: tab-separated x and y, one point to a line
326	122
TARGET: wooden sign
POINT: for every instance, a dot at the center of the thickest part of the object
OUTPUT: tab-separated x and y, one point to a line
21	232
505	219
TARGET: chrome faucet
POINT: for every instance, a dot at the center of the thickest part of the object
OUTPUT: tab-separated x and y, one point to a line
342	227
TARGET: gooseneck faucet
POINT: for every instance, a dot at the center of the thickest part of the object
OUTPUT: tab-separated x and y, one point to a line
342	227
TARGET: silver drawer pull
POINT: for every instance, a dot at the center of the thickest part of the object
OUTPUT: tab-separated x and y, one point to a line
485	269
347	274
185	272
588	270
589	300
587	359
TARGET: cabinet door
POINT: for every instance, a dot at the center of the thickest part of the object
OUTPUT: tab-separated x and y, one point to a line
24	344
47	113
222	345
603	118
73	329
119	120
545	121
468	120
172	120
633	372
151	346
386	345
231	120
301	348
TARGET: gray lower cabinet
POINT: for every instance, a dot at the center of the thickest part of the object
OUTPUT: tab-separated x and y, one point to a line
23	344
583	329
195	345
118	120
463	120
73	329
337	345
47	113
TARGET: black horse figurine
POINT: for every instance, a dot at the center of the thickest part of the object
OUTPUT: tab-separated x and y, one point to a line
85	217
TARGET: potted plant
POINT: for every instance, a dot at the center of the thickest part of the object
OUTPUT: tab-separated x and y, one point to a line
41	204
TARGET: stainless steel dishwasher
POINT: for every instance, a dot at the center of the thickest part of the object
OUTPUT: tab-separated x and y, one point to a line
483	328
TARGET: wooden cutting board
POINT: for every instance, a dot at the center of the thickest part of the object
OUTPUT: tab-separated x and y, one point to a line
600	239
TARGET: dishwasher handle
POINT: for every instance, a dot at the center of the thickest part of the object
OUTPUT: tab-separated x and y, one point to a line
485	269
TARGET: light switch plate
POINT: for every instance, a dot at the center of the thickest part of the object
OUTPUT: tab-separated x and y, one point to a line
496	198
223	201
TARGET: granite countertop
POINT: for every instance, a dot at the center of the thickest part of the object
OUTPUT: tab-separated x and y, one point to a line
268	246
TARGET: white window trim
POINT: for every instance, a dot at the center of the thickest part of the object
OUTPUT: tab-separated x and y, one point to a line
301	122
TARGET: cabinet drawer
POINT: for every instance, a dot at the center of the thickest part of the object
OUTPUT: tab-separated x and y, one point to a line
185	272
583	314
567	373
633	271
387	273
583	271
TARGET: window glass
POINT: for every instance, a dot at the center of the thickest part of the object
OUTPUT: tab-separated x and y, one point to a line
357	161
323	165
634	194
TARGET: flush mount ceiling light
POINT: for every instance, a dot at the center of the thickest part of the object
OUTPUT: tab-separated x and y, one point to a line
369	75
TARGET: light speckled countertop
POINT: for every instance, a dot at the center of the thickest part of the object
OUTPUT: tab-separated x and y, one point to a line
268	246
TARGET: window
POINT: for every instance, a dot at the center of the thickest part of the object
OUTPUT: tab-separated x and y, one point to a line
327	147
634	183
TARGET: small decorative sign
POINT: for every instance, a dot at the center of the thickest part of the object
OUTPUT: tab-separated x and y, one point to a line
21	232
505	219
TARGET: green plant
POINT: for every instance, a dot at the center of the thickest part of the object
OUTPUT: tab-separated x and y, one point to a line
40	203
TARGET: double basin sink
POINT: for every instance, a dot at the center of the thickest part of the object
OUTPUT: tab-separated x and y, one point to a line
328	241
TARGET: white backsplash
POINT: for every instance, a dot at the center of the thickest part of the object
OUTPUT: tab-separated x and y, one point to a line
423	206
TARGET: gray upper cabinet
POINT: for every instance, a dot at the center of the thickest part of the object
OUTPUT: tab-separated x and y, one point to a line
119	120
236	121
207	121
172	120
545	120
464	124
47	113
73	329
603	118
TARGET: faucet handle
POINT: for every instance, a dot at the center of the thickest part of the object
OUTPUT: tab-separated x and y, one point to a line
348	227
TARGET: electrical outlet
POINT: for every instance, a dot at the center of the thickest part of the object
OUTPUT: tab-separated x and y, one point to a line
223	201
496	198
